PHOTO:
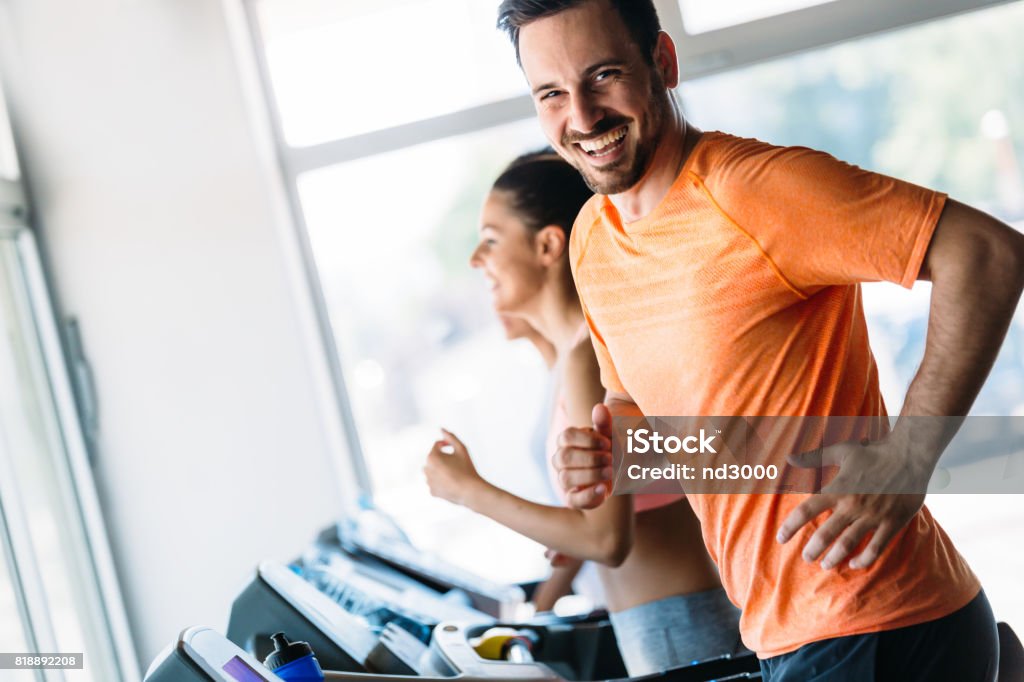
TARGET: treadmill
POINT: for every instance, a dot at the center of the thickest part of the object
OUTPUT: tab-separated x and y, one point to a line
371	604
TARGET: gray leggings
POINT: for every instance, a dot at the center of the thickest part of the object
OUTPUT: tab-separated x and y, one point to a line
676	631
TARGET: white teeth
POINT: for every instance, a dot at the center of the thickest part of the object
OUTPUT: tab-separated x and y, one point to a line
602	142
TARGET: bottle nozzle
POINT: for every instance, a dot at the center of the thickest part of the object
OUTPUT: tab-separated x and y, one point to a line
280	641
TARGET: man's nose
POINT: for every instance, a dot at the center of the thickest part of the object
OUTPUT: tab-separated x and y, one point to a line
585	114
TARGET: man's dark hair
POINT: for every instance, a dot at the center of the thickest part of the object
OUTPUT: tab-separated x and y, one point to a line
639	16
544	190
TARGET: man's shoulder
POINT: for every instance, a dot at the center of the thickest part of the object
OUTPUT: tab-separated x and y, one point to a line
722	153
728	165
588	217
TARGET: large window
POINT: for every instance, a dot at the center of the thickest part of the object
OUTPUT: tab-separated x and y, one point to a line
418	341
387	168
390	227
340	69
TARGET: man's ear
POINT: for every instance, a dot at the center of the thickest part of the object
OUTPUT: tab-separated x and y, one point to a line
666	61
551	244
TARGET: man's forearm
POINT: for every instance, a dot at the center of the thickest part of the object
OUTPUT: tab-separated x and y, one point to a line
974	297
976	265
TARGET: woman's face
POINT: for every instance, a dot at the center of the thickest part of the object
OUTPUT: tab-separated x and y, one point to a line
507	255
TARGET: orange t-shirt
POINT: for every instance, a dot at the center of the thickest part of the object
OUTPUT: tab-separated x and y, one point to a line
738	295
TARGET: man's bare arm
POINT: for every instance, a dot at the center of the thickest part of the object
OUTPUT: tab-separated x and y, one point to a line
976	266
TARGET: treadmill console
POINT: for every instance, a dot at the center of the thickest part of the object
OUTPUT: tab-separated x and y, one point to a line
364	536
200	655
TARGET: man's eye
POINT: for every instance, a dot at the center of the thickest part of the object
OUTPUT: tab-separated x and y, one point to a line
550	94
604	75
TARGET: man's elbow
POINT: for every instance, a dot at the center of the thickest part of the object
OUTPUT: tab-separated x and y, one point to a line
994	257
971	248
1015	256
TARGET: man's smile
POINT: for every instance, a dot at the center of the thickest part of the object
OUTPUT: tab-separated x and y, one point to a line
605	148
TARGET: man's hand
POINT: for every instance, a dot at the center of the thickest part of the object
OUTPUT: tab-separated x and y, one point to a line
858	502
450	475
584	461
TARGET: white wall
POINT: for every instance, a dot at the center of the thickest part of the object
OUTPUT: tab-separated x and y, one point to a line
163	225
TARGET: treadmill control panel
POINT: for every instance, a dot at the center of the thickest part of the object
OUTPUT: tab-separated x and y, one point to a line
201	653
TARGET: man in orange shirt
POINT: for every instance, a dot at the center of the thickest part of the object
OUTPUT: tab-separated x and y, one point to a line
720	276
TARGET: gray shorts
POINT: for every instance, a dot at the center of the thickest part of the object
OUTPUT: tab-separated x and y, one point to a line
677	631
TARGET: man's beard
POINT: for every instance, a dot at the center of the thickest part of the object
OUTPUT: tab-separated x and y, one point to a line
618	177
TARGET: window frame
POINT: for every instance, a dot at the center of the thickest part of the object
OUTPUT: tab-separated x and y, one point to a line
830	23
73	470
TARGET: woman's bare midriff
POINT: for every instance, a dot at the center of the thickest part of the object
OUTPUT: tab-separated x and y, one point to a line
668	558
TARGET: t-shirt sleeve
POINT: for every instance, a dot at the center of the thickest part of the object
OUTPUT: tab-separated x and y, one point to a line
609	377
577	249
824	222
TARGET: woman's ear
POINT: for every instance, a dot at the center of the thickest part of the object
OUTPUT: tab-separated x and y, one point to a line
551	244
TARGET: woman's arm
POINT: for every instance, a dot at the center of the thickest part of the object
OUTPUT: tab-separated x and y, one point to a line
557	585
584	535
604	534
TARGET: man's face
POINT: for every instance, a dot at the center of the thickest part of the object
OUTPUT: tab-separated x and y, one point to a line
602	106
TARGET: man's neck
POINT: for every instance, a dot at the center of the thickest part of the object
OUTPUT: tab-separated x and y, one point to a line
670	156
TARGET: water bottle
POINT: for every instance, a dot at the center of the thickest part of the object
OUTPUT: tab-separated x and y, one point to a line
293	661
